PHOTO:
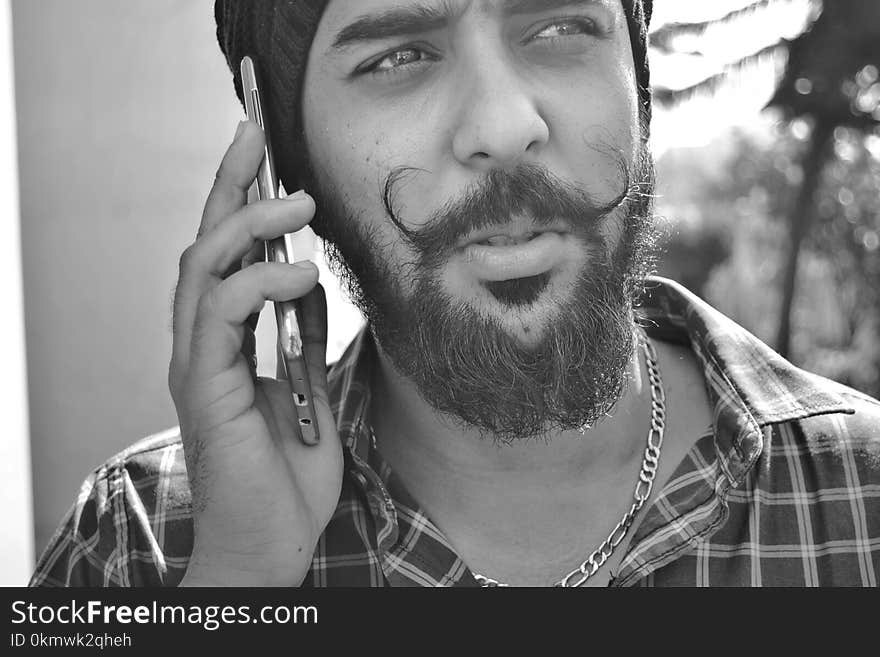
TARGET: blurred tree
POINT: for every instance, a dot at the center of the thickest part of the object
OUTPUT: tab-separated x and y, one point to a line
829	90
730	201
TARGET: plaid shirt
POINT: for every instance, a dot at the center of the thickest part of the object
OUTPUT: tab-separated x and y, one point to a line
783	490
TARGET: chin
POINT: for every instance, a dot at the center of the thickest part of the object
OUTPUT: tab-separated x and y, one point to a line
523	308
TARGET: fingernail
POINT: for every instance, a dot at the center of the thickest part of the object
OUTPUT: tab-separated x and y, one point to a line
298	196
305	264
239	130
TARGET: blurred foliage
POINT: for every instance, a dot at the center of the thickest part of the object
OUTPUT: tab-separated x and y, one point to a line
800	242
726	205
831	82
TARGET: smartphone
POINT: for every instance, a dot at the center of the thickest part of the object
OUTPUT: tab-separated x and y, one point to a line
288	314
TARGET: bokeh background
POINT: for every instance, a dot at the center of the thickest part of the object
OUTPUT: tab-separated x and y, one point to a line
775	219
768	147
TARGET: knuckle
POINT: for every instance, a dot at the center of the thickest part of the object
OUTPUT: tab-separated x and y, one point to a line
174	380
172	297
248	221
222	173
186	259
264	213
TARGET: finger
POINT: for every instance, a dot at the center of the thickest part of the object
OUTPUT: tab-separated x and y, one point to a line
313	329
232	181
234	176
312	317
210	259
256	254
242	232
249	344
314	335
218	332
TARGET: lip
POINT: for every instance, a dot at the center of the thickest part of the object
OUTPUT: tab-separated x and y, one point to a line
505	262
517	231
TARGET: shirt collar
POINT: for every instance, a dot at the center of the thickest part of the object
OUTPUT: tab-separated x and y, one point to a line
750	385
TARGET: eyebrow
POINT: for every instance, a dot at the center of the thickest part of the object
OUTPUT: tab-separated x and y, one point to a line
422	18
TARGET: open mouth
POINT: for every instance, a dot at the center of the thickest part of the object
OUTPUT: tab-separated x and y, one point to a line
518	291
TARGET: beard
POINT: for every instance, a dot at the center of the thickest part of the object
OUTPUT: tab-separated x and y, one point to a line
463	362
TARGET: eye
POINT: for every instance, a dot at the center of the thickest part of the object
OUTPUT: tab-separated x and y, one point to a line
568	27
396	61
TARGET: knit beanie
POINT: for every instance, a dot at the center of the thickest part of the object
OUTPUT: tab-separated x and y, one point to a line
279	34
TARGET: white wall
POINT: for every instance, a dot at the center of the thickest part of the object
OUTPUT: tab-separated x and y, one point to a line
16	536
125	109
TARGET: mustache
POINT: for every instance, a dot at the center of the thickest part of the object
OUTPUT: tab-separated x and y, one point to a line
529	190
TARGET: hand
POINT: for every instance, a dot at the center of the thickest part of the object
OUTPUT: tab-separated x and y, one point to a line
261	497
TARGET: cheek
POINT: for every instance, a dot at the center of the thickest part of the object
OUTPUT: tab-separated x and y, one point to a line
355	148
624	108
349	176
592	144
352	161
600	109
605	116
355	161
345	163
338	155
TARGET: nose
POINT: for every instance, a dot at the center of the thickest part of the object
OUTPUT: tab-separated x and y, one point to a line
499	123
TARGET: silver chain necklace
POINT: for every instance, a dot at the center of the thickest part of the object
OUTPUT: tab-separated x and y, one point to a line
645	483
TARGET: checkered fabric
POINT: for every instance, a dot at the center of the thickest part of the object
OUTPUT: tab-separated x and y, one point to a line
782	490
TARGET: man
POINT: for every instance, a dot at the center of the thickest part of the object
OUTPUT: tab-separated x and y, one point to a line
526	406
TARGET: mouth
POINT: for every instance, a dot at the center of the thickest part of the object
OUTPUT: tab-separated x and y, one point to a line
504	256
516	232
519	291
506	240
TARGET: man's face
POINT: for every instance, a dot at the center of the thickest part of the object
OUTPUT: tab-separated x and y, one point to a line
474	163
